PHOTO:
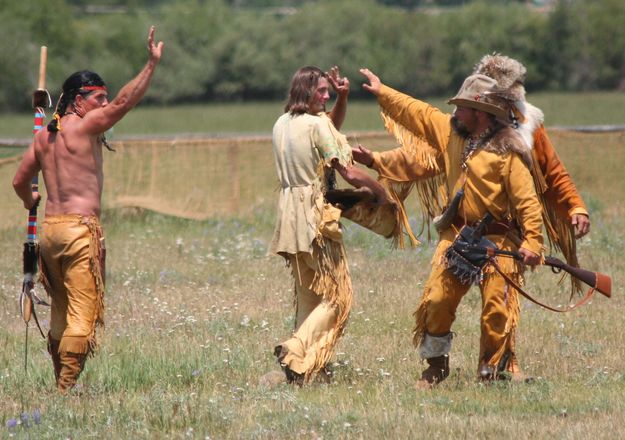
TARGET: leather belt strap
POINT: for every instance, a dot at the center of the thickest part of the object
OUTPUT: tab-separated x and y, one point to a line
493	228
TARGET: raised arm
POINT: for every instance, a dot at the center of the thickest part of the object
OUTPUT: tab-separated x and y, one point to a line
341	87
403	113
100	120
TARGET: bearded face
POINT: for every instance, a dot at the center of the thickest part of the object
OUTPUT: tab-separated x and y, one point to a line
465	121
459	127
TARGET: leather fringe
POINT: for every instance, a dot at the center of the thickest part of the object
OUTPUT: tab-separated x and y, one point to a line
333	280
431	192
514	313
398	191
420	315
97	255
560	234
409	141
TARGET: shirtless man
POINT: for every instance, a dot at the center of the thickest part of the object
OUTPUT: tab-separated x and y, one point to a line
69	153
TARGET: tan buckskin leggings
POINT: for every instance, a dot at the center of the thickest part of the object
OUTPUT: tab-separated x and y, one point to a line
72	268
500	312
320	316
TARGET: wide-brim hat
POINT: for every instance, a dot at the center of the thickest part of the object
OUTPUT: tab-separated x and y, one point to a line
480	93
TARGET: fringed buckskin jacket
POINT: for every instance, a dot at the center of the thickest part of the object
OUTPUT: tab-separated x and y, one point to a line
497	178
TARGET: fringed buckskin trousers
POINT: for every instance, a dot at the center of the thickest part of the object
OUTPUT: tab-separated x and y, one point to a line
323	298
72	258
499	317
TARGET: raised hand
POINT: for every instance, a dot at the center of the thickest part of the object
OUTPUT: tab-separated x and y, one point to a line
374	82
155	50
339	84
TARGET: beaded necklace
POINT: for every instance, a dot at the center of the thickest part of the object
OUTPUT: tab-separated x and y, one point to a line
474	142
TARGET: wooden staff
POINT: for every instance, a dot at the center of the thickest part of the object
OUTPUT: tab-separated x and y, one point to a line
28	297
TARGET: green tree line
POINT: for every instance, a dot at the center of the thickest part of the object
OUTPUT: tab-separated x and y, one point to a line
226	50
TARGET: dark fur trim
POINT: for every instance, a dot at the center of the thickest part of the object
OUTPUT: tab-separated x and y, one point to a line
508	140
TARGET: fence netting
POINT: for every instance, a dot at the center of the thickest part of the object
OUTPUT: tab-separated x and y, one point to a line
194	179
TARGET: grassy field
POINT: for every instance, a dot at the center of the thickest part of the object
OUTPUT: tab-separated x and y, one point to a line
560	108
193	309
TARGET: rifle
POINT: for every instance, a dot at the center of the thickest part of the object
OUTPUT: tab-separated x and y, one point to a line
596	280
471	252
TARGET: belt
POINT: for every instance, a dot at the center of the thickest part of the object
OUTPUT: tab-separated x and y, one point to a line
493	228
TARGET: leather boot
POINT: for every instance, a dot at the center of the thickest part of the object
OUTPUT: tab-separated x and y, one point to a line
53	349
509	369
72	365
487	373
436	372
291	376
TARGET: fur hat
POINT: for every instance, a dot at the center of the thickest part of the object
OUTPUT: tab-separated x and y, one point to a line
508	72
480	92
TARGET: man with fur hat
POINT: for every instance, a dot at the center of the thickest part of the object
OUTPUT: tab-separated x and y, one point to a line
564	213
477	152
567	217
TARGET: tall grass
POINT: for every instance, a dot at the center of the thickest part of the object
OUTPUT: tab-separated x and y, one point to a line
194	308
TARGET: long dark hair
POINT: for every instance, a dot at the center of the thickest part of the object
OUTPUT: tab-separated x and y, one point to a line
303	86
72	87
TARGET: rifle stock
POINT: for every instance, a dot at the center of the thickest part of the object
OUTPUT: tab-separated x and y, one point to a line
600	281
597	280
